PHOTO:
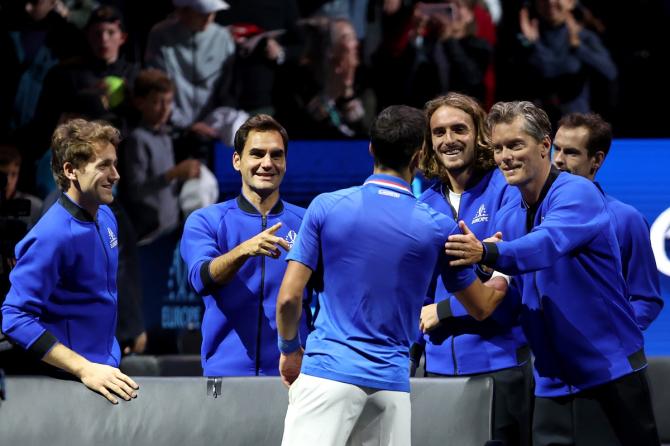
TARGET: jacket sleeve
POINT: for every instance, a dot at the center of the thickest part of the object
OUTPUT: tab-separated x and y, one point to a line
199	246
640	270
33	279
576	214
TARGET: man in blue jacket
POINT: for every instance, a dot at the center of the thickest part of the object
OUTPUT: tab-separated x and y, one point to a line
561	248
581	144
234	252
470	188
62	305
372	244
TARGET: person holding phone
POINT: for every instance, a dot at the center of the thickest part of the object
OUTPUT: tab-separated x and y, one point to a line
441	53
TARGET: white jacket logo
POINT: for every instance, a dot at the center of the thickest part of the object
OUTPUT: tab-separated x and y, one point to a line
290	238
481	215
113	241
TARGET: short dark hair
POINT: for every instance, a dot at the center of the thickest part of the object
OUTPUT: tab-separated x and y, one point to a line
106	14
259	123
9	154
397	133
600	131
150	80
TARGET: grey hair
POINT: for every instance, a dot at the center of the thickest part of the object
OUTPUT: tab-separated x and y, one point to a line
536	121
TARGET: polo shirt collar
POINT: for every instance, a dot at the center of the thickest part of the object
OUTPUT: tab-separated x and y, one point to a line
389	182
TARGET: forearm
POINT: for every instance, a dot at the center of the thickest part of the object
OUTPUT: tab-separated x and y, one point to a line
62	357
479	300
288	316
289	300
223	268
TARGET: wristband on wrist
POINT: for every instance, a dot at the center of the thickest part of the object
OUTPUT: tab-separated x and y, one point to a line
287	346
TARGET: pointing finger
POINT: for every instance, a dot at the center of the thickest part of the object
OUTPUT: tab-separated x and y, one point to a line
272	229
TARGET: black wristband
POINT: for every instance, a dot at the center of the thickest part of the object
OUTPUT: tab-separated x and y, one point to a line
490	254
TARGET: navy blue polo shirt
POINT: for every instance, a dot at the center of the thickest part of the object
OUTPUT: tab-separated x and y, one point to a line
376	247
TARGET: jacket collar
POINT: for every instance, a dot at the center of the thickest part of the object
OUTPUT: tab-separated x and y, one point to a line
246	206
553	174
77	212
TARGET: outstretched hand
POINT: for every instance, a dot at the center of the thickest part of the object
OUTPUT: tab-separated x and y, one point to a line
465	248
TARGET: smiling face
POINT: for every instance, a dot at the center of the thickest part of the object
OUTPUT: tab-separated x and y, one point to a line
262	163
522	159
91	183
570	152
453	136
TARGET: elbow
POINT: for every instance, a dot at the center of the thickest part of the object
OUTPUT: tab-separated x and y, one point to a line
286	303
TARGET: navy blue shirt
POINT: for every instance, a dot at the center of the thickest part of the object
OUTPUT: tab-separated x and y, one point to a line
377	247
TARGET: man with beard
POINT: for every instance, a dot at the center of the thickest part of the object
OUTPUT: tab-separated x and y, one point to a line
470	188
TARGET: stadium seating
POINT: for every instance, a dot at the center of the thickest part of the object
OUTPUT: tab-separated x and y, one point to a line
248	411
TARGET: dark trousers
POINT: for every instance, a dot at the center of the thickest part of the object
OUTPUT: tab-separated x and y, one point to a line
618	413
512	404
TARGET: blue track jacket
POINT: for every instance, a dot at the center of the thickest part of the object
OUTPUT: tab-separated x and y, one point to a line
638	263
566	261
239	332
462	345
64	285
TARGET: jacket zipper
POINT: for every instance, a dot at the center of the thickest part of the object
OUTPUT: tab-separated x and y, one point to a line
97	229
453	338
264	223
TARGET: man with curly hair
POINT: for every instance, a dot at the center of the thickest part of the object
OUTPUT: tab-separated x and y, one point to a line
470	188
62	304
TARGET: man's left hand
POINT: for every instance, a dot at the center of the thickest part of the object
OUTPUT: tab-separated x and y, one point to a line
466	248
289	366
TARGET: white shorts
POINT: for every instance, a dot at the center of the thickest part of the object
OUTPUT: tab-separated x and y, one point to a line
323	412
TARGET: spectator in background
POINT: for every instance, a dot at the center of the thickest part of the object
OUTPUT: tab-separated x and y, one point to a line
563	58
150	189
234	255
581	145
470	188
70	253
10	165
325	98
268	35
198	55
430	50
102	70
33	39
